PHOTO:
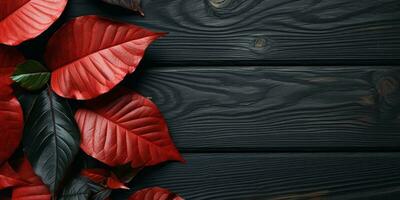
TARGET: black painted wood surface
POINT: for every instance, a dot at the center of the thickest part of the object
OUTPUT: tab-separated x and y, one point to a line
279	176
277	108
262	30
268	99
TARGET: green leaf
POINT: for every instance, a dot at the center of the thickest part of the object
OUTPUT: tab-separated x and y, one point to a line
76	189
31	75
51	137
81	188
98	192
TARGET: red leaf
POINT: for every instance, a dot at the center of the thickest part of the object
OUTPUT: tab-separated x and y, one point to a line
31	192
35	190
103	177
21	20
8	177
125	127
9	59
96	55
11	125
154	193
11	118
24	182
95	175
114	183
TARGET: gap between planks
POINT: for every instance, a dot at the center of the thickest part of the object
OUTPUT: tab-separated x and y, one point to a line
269	63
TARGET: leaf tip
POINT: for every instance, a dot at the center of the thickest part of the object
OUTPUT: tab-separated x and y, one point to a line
176	156
182	160
162	34
141	13
125	187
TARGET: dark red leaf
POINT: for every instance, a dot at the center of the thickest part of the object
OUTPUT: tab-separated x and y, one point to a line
31	192
11	118
126	173
11	125
129	4
96	55
9	178
95	175
154	193
21	20
9	59
124	127
103	177
24	182
35	190
114	183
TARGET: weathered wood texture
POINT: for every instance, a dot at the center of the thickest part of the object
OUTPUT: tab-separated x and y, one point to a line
277	108
236	113
277	176
263	29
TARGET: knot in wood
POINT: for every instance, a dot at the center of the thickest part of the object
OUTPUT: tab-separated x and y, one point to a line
387	86
260	43
219	3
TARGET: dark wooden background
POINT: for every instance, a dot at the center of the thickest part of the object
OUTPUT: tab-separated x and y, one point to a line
270	99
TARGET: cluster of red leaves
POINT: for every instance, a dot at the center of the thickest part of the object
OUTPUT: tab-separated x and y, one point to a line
24	182
155	193
104	177
118	128
25	19
11	118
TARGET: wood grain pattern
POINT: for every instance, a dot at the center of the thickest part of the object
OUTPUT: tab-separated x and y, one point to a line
277	108
236	115
226	30
278	176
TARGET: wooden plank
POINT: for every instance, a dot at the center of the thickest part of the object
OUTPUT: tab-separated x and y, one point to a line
277	108
278	176
263	30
